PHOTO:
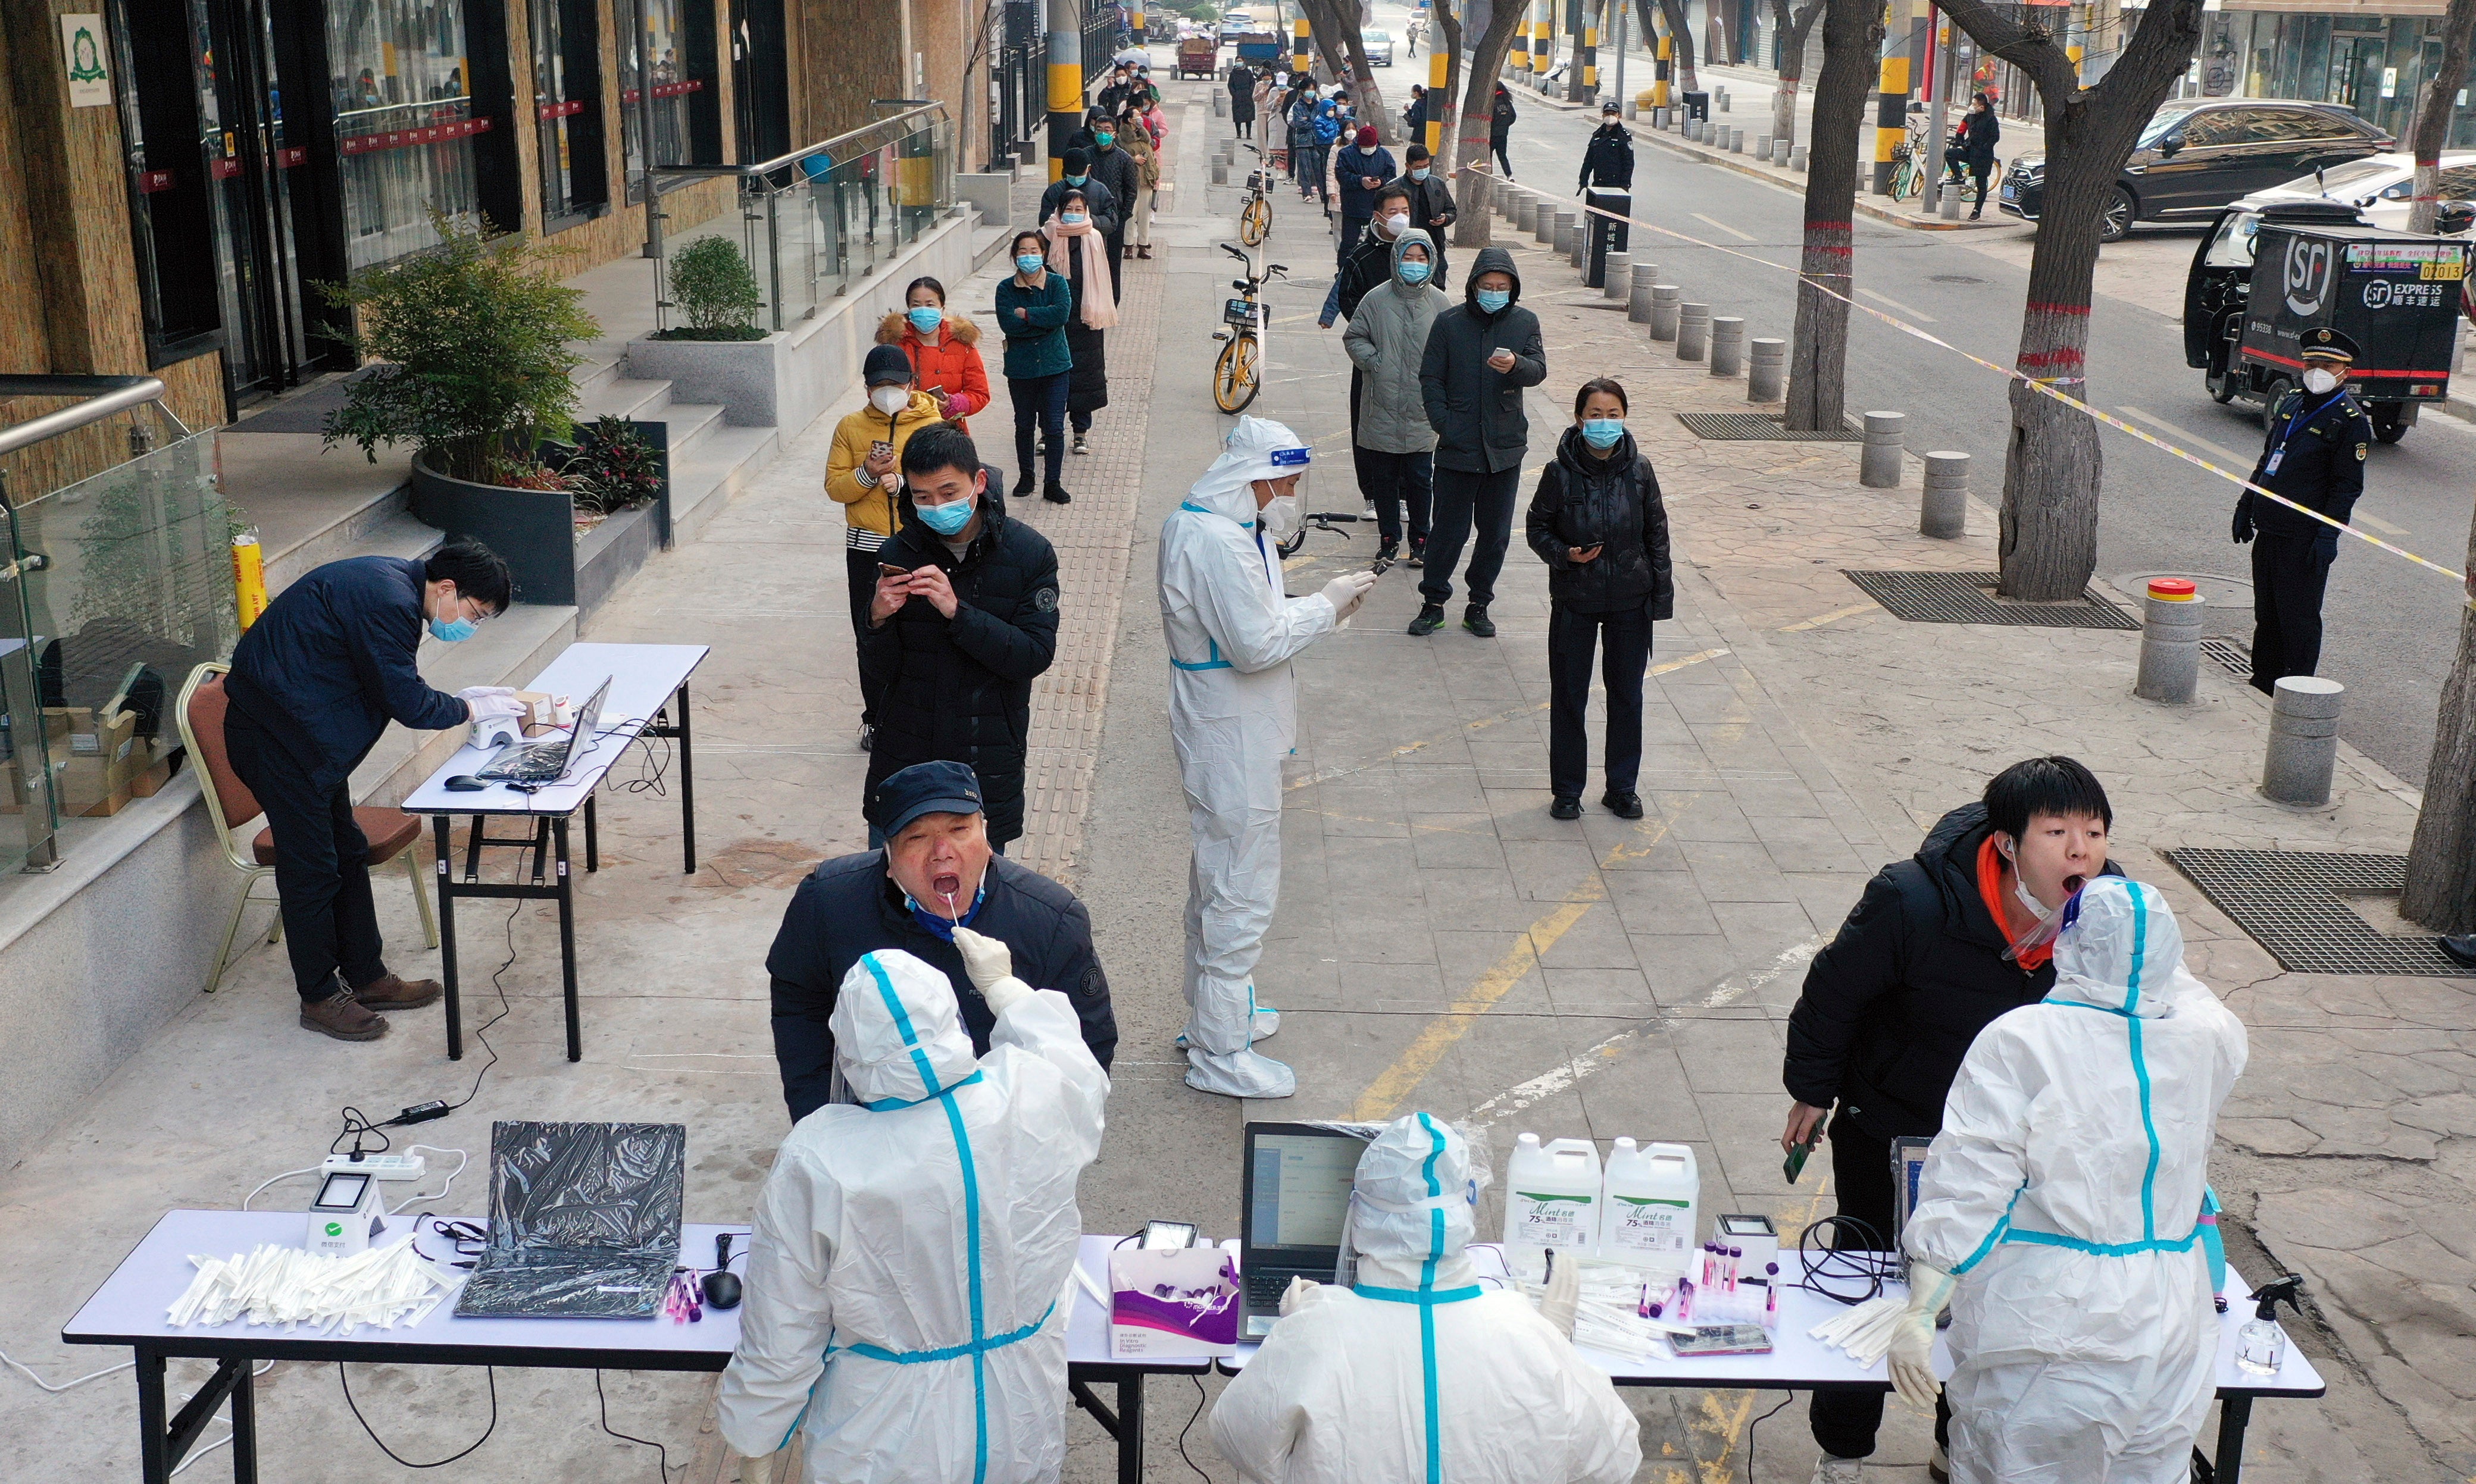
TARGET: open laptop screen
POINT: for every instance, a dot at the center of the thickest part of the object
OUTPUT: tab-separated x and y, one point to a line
1298	1186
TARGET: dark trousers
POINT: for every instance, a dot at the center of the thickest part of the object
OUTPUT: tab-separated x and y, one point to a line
1391	482
1118	265
322	865
1844	1421
1503	162
1954	163
1319	159
1622	640
1351	227
859	569
2289	575
1041	398
1464	499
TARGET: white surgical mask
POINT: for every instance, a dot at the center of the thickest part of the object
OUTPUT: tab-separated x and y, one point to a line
1281	519
1398	223
890	399
2318	380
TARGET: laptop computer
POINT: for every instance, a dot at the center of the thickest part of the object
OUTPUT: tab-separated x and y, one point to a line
538	764
1298	1178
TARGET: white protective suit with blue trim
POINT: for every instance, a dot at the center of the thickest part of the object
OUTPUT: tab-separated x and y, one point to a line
1234	716
1418	1371
2065	1193
903	1283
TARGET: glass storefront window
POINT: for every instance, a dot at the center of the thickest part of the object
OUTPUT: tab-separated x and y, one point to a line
675	79
404	122
567	109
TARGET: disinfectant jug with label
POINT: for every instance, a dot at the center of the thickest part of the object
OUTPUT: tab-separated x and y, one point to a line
1551	1204
1652	1199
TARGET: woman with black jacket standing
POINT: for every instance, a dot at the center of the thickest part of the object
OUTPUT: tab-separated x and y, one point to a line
1598	522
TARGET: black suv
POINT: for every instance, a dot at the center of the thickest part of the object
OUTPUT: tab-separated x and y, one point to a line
2200	154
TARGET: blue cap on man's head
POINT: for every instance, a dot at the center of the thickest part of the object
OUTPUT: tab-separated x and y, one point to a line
924	788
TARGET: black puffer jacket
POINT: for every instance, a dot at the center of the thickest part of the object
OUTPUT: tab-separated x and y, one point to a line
1476	408
1612	503
960	688
1917	970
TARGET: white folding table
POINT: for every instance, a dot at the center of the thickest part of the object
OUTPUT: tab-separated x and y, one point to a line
130	1310
1799	1362
647	682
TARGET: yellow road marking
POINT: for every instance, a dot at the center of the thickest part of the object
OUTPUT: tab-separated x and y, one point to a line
1832	617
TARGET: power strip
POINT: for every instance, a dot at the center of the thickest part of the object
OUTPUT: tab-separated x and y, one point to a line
386	1167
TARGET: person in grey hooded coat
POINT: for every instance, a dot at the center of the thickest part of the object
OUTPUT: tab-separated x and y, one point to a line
1393	449
1481	355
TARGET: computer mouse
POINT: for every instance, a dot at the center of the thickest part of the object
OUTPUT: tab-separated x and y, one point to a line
722	1285
466	783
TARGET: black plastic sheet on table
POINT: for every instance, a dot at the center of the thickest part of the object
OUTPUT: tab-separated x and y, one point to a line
585	1221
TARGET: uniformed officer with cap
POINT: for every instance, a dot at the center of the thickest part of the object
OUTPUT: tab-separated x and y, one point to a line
2314	456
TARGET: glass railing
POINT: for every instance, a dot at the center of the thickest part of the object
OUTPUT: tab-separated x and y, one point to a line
113	589
817	221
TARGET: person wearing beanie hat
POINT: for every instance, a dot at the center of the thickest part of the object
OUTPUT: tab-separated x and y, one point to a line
1360	168
860	476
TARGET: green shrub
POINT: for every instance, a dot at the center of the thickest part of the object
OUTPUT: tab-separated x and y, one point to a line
712	286
612	468
473	340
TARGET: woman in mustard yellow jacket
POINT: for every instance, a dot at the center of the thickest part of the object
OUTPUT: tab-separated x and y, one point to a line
860	476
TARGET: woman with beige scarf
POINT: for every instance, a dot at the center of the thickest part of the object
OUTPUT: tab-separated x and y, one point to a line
1134	137
1081	256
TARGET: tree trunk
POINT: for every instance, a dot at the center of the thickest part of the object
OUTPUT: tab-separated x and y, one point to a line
2052	464
1852	34
2432	128
1334	26
1794	29
1442	103
1474	226
1681	64
2441	864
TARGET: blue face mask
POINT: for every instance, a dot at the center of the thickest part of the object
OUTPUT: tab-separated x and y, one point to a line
1076	180
925	317
1603	433
948	519
1027	263
1419	174
452	631
1414	273
1494	299
1105	140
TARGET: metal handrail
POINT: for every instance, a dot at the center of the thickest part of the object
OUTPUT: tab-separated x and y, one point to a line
858	142
105	395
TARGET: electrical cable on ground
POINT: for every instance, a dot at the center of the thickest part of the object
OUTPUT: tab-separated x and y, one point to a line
490	1375
56	1390
661	1454
1757	1422
1190	1426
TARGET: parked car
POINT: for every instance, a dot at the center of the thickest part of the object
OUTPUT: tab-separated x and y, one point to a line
1379	47
1233	21
2381	187
2199	155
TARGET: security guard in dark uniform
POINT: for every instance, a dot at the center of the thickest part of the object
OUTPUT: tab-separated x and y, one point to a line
2314	456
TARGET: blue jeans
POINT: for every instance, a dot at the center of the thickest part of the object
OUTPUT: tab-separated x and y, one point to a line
1042	398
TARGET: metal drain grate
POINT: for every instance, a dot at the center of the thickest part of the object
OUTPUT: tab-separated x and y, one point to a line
1968	597
1758	426
2231	655
2288	900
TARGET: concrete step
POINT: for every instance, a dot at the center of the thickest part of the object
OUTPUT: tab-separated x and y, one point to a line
626	397
723	464
605	362
508	649
376	525
691	424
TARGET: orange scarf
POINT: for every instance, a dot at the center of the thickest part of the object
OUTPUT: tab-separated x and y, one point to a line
1990	886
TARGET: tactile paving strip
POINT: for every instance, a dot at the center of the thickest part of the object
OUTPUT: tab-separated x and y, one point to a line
2288	900
1968	597
1757	427
2230	655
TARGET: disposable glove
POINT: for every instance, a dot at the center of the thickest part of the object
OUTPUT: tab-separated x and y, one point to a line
2243	528
475	692
1347	591
1911	1347
1301	1293
1564	1295
991	966
490	709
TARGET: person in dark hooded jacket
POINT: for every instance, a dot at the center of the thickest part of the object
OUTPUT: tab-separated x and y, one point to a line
1598	522
958	634
1481	355
1937	948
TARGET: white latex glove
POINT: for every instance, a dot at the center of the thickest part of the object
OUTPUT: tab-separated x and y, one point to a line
1911	1348
476	692
1563	1297
991	966
1347	591
1301	1293
486	709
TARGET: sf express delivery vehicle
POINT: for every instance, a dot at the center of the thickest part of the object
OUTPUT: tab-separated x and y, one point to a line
2262	278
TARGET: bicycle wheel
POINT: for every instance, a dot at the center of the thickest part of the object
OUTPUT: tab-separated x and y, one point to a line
1234	382
1904	180
1256	221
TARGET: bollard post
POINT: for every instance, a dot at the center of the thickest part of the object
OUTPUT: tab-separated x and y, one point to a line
1796	157
2303	739
1736	142
1579	254
1692	331
1616	281
1542	226
1942	512
1638	292
1766	374
1665	298
1779	152
1878	467
1762	148
2171	640
1569	229
1727	345
1220	172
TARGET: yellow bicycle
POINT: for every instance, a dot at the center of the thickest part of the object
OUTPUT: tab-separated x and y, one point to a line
1237	373
1255	217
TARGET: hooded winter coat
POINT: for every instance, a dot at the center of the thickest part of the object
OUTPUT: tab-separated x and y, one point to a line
1386	341
1612	503
1474	408
1891	1005
950	367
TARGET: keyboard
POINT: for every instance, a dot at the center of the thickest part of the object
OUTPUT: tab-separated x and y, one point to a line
1264	1289
534	762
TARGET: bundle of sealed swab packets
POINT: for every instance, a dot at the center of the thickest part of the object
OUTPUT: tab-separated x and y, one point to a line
385	1286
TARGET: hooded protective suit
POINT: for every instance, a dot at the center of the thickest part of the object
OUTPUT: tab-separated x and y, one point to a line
1416	1371
910	1249
2065	1195
1233	717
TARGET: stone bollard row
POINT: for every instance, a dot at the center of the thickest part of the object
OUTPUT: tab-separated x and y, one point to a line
1665	299
1779	152
1618	275
1796	157
2170	641
1579	250
1569	229
1762	148
1643	276
2303	739
1692	331
1543	227
1878	466
1767	373
1727	345
1943	511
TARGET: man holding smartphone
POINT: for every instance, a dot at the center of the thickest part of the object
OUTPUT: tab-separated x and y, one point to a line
1924	962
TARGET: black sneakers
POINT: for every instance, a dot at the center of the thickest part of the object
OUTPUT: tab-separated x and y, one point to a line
1564	808
1432	617
1475	619
1055	494
1627	806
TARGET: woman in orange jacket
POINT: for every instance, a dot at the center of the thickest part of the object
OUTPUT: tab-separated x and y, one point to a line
943	348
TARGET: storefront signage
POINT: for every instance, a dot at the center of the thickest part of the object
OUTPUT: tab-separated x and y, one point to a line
406	139
81	48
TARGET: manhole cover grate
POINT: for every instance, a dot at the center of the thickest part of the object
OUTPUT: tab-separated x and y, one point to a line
2288	901
1968	597
1758	426
2230	655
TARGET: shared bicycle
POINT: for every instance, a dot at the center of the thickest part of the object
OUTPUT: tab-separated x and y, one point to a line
1255	217
1238	373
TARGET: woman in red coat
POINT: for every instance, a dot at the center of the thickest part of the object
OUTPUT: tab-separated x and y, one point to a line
943	348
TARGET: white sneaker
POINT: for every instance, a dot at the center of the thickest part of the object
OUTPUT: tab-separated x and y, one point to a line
1828	1470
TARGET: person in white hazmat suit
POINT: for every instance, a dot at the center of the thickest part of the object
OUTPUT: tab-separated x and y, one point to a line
903	1281
1234	716
1415	1371
2059	1213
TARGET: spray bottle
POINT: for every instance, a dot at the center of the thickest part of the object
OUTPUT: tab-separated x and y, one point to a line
2261	1346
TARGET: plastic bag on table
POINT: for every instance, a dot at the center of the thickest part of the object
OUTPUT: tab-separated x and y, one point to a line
585	1221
